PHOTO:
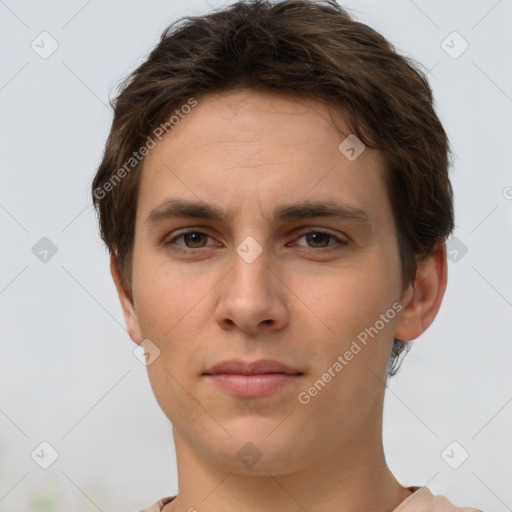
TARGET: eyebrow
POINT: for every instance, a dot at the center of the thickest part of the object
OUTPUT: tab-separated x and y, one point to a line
184	208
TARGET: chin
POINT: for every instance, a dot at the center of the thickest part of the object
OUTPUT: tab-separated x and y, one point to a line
258	450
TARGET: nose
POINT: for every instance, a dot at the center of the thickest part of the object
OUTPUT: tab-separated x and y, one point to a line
253	297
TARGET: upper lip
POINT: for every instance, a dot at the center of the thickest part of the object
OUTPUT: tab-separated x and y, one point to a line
239	366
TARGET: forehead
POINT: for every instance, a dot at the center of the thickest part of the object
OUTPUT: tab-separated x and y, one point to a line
244	149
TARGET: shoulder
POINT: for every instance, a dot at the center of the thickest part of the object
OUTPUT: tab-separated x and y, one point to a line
157	507
423	500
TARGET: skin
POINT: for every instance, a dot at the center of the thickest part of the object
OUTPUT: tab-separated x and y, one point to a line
247	153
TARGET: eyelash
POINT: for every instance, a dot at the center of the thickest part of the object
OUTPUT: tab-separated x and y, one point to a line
329	248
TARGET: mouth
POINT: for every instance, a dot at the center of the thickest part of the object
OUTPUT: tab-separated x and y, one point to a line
252	379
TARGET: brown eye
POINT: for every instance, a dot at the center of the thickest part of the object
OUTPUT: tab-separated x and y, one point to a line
193	239
190	242
322	240
318	238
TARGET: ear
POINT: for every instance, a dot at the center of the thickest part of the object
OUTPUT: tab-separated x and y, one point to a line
423	298
130	316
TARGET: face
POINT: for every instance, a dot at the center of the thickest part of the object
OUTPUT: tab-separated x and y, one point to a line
272	277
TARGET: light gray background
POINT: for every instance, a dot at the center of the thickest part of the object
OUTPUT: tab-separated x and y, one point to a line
68	375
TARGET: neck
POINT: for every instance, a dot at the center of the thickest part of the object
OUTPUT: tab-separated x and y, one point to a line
351	476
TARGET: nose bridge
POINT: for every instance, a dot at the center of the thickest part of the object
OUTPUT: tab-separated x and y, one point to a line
252	254
250	294
251	277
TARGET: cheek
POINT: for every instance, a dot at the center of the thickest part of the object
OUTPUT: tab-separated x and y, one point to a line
166	297
346	313
174	308
345	301
171	311
349	302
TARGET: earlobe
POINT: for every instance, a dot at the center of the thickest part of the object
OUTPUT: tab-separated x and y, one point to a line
130	316
423	298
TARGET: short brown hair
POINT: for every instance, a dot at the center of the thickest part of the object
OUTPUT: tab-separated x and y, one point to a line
298	47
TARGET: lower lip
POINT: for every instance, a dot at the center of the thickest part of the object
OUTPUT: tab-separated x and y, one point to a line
261	384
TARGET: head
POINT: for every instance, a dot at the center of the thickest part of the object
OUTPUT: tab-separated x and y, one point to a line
246	112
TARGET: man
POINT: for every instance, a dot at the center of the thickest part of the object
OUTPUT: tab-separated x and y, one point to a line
274	194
